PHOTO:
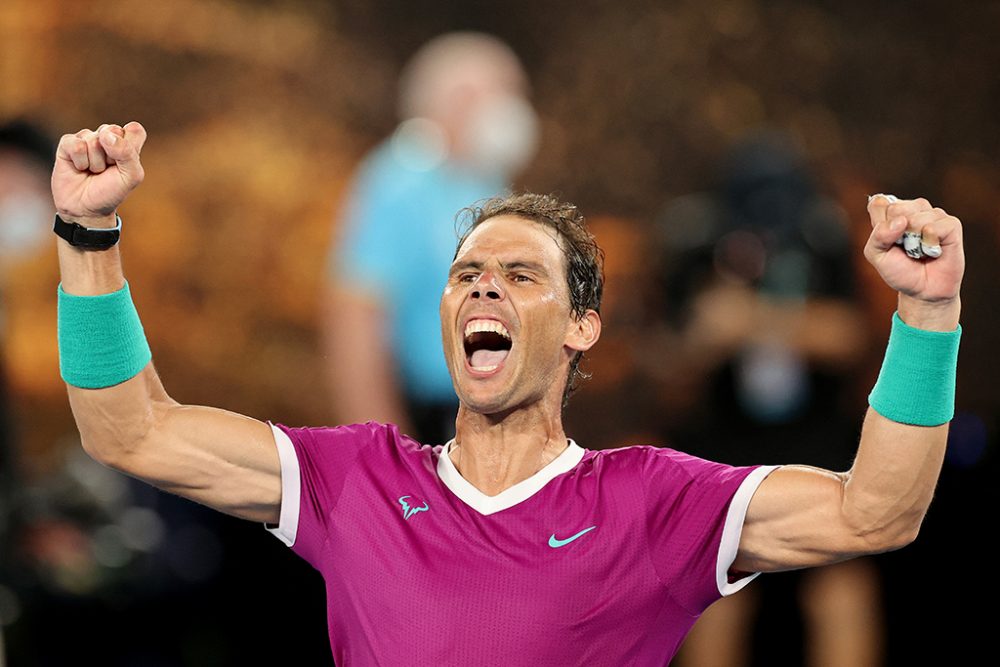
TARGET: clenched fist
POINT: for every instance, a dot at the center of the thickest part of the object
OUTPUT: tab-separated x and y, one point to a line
95	171
927	272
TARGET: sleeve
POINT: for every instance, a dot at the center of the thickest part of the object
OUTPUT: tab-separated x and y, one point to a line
695	511
314	464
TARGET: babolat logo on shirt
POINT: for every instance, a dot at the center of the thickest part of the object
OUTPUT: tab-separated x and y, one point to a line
412	506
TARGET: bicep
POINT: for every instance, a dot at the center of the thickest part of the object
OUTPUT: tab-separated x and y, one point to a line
218	458
795	520
221	459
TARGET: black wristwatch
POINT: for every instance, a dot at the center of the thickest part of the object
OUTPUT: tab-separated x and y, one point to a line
87	238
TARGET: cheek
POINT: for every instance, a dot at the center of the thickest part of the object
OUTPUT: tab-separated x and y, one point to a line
448	297
552	297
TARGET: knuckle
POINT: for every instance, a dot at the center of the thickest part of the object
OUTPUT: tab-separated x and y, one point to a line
922	202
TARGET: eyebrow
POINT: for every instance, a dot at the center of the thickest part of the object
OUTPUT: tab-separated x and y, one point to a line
509	266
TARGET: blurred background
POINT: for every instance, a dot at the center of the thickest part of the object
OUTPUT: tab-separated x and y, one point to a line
723	150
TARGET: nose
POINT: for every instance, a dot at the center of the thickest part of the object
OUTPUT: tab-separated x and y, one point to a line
487	287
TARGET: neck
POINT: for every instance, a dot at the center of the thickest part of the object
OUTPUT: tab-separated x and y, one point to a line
495	452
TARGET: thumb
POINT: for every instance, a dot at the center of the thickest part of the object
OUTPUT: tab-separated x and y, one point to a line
884	236
136	134
878	206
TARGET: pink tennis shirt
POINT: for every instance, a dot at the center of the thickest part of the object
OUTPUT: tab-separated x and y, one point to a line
600	558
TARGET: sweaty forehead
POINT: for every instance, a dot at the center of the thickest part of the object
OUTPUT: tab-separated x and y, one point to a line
511	238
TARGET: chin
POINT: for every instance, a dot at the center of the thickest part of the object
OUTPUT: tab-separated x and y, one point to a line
484	404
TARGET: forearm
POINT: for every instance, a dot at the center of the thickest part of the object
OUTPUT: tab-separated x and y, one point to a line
110	419
890	486
888	490
88	273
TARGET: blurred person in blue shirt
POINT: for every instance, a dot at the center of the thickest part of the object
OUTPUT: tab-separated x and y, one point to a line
467	128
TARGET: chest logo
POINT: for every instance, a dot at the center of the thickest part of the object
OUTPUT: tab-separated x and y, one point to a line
555	543
408	509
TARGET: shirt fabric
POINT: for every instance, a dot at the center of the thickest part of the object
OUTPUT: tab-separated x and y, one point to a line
601	558
399	241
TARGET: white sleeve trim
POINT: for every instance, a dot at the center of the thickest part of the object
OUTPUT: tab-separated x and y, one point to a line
734	528
291	485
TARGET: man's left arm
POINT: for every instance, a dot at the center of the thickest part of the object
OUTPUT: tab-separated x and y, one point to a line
804	517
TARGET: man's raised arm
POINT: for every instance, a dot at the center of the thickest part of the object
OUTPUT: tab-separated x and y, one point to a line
126	419
801	516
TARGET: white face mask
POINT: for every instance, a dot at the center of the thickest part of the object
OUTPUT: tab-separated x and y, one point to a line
24	224
502	135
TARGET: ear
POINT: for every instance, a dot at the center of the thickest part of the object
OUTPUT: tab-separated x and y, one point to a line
584	331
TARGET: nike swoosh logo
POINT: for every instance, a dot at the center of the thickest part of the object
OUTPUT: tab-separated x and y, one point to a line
553	542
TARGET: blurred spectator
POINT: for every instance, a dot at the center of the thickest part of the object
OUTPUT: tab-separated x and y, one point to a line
25	207
467	128
763	343
25	203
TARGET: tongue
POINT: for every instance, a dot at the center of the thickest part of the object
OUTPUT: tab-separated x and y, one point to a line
484	358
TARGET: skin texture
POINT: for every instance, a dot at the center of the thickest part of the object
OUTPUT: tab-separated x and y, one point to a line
509	424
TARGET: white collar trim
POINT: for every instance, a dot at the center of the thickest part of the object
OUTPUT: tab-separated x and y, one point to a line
507	498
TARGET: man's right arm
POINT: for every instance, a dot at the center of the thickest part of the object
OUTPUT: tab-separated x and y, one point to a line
220	459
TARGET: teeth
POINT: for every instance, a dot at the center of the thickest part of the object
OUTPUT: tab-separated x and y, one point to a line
485	369
475	326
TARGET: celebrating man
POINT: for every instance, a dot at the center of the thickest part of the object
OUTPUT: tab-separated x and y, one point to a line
510	544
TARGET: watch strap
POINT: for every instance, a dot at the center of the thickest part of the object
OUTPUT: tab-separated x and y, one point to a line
88	238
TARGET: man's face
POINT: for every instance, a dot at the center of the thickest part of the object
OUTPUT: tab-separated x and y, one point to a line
509	331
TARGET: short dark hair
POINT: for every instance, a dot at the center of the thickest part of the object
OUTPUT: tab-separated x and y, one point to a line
584	258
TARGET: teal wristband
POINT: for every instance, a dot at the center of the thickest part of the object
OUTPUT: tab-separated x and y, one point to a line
101	342
917	382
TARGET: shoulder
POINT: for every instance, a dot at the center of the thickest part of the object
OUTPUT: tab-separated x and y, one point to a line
645	458
664	468
369	435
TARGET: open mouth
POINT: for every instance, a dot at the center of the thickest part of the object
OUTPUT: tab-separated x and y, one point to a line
487	344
